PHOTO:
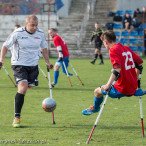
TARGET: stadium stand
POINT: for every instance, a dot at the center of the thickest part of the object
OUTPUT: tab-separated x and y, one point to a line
140	33
133	48
117	33
142	26
132	38
124	33
134	33
140	48
120	12
124	40
117	26
129	11
117	40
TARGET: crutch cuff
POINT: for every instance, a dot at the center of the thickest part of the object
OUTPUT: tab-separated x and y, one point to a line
139	92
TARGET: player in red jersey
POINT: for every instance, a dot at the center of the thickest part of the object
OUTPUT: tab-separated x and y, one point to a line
63	54
125	63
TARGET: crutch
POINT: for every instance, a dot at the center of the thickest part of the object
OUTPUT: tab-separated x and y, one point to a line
53	121
101	109
67	73
140	102
76	73
43	73
9	76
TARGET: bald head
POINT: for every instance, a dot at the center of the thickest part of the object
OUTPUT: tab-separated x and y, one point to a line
31	18
31	23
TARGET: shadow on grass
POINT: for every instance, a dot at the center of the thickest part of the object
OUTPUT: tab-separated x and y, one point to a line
99	127
75	89
7	87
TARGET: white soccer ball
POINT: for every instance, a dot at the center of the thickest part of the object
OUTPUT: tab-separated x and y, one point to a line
49	104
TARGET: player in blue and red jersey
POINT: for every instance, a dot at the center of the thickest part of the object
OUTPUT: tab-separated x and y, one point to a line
125	63
63	54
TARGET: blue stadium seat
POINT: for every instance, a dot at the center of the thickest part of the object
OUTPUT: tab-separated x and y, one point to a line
125	33
132	40
140	33
140	48
117	33
129	11
120	12
133	48
117	41
141	26
117	26
134	33
124	40
140	41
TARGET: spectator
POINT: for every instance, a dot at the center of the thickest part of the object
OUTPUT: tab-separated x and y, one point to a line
127	22
135	23
144	10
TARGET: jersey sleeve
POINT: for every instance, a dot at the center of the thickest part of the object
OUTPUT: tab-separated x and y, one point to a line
10	40
92	37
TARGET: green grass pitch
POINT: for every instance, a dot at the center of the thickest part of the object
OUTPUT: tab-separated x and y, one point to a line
119	123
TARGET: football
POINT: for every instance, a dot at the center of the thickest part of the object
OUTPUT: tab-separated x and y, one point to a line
49	104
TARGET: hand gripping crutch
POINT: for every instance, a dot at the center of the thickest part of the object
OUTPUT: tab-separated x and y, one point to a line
76	73
9	76
67	73
140	102
43	73
53	121
101	109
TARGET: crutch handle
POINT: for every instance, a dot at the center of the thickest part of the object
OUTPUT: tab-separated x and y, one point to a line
48	69
139	79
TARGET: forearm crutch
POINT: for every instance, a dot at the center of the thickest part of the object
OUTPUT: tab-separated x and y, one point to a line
67	73
140	102
9	76
101	109
76	73
43	73
53	121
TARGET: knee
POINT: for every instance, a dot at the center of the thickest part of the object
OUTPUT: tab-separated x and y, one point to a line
22	88
96	51
97	92
56	68
99	52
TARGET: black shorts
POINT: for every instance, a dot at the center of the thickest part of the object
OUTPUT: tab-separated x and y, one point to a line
25	73
98	46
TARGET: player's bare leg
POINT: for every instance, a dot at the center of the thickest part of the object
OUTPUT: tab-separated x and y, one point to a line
56	74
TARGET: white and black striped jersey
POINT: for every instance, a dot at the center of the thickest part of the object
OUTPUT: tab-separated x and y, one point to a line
25	47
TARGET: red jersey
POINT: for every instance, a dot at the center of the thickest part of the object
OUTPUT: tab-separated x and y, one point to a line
123	57
58	41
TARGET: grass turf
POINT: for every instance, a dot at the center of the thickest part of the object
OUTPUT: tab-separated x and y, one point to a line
119	123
